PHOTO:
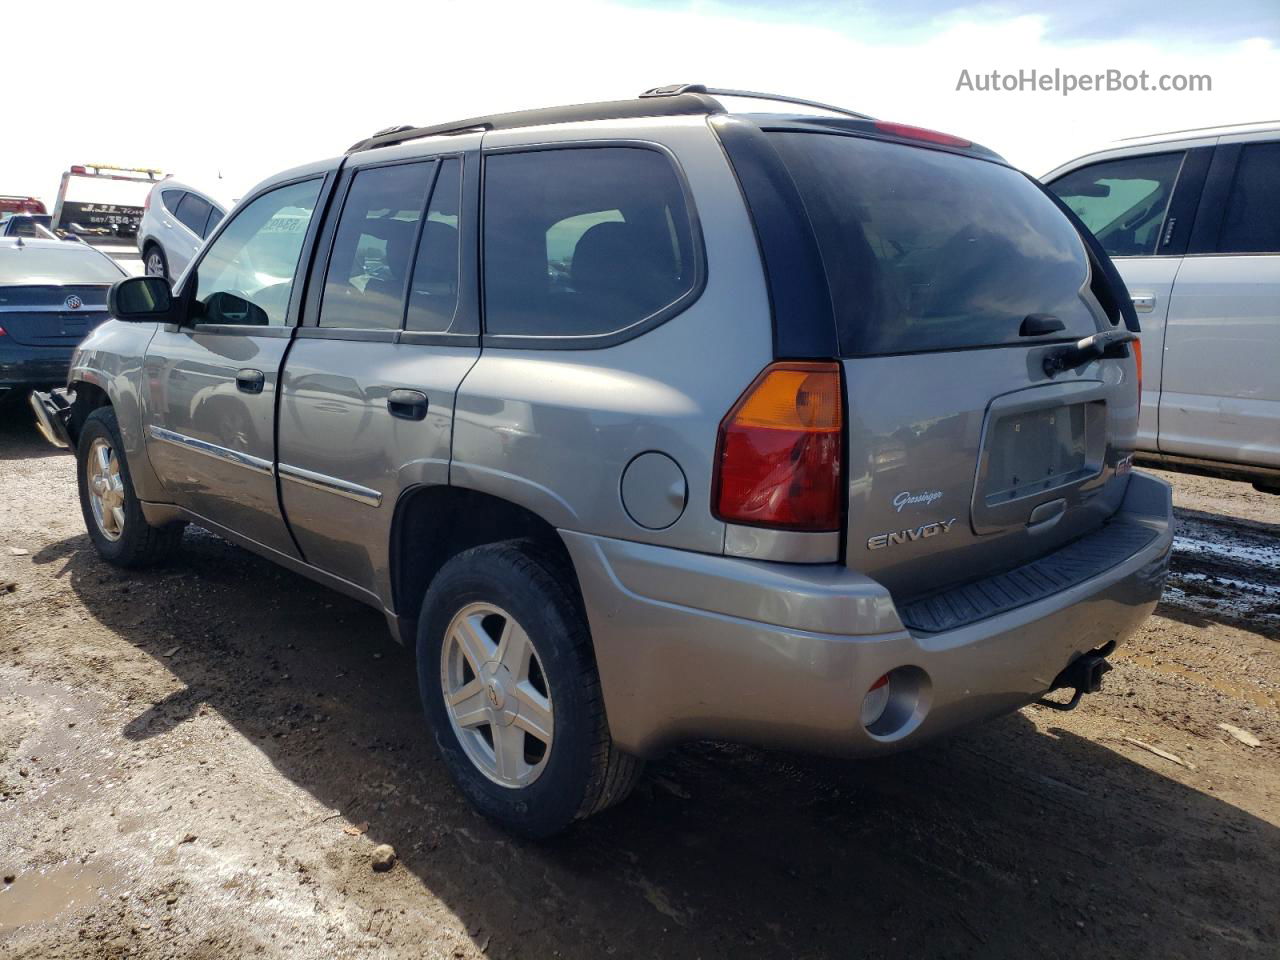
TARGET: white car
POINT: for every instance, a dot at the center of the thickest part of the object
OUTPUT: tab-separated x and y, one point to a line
1192	222
175	221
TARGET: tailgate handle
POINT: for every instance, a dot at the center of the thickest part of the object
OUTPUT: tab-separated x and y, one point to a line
1038	324
1046	515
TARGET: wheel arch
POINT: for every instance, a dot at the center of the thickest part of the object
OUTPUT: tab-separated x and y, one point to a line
90	395
433	523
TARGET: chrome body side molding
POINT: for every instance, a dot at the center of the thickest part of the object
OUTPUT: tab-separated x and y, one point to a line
245	460
334	485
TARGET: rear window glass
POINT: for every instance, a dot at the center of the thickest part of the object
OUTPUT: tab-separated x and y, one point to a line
71	263
926	250
583	241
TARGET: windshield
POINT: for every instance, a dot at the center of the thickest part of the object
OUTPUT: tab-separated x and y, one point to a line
927	250
67	263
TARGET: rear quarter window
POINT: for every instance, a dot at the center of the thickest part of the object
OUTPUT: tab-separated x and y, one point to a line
584	242
926	250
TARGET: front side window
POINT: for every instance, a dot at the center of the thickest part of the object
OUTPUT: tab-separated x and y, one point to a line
583	241
1123	201
373	248
1252	223
246	276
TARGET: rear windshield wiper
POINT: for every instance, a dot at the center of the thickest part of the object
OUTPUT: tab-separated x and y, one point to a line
1103	344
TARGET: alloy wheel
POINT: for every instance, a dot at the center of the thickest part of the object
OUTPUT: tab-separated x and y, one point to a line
496	695
106	488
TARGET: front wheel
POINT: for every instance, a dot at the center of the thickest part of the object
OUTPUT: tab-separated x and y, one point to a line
112	514
509	684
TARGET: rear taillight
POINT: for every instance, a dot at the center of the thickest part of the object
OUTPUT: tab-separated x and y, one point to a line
2	333
146	204
780	448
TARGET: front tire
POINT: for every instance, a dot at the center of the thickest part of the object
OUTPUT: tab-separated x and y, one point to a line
509	685
112	514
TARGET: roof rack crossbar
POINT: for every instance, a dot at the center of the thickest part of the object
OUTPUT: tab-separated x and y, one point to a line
676	89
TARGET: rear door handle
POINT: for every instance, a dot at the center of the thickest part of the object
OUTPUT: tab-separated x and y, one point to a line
407	404
1144	304
249	380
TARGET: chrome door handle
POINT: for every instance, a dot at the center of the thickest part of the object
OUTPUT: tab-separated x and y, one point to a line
250	381
407	404
1145	303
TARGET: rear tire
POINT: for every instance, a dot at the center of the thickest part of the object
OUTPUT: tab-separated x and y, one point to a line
112	514
484	599
155	263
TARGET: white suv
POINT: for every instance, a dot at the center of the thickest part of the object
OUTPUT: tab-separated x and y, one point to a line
175	221
1192	221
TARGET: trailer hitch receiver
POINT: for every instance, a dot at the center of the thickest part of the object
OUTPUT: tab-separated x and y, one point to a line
1083	675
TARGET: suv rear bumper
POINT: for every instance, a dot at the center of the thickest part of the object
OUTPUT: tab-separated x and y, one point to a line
692	646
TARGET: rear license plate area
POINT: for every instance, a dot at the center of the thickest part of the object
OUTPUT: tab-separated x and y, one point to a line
1035	451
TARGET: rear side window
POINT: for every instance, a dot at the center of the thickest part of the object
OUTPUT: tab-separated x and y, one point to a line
926	250
193	212
373	248
583	241
215	217
1123	202
433	292
1252	223
171	199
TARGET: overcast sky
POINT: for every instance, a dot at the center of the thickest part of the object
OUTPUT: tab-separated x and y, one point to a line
242	89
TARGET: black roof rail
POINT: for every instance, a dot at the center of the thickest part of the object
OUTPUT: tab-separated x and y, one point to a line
681	89
691	103
677	99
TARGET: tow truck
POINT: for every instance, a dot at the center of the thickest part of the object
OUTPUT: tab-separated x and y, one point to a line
107	214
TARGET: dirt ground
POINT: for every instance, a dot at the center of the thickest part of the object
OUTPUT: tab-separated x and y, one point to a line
198	762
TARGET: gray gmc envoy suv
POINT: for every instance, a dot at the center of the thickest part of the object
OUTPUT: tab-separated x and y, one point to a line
650	421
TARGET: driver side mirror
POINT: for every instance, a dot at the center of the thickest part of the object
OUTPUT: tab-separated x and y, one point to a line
142	300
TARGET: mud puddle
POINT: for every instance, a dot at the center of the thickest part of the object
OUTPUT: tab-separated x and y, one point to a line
1226	570
38	895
